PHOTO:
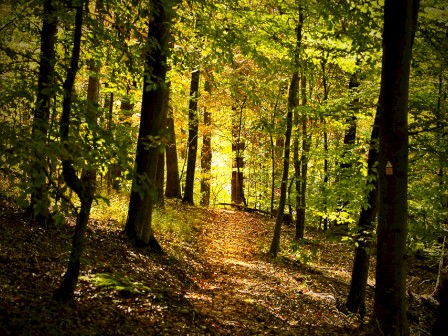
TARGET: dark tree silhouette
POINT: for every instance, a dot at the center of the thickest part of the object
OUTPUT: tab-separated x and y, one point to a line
138	226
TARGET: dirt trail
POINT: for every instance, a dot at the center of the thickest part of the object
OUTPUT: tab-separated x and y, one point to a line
248	292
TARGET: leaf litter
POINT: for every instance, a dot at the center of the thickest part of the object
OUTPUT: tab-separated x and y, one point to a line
217	279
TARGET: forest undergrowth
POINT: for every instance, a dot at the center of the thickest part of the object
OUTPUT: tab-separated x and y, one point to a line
215	278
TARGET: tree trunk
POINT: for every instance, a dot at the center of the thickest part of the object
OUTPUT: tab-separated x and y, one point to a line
172	166
440	326
192	137
238	147
366	225
390	315
138	226
292	103
206	153
325	186
82	188
160	179
302	168
275	244
443	264
39	194
344	173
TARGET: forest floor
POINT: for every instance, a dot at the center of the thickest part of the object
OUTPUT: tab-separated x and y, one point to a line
215	278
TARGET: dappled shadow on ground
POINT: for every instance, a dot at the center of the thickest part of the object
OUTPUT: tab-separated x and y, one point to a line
217	281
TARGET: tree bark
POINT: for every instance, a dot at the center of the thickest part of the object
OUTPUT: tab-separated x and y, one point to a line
324	122
206	153
238	147
160	179
292	104
275	244
138	226
366	225
440	326
192	137
172	165
302	168
390	315
45	90
81	187
344	172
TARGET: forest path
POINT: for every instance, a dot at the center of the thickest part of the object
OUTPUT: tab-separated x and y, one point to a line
250	293
214	279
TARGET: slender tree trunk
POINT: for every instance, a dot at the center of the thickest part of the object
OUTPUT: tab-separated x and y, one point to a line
301	187
160	179
192	137
275	244
292	103
139	222
324	123
273	152
109	108
238	147
366	225
84	190
390	315
206	153
273	160
344	173
39	194
172	165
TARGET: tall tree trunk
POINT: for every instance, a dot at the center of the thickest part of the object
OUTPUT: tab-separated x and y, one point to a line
109	109
206	152
275	244
39	194
126	111
366	225
443	264
303	168
160	179
139	222
390	315
324	123
341	225
192	137
292	103
238	146
82	187
172	166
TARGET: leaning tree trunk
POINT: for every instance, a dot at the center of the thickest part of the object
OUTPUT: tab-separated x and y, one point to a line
82	187
138	225
39	194
389	316
275	244
192	137
292	103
